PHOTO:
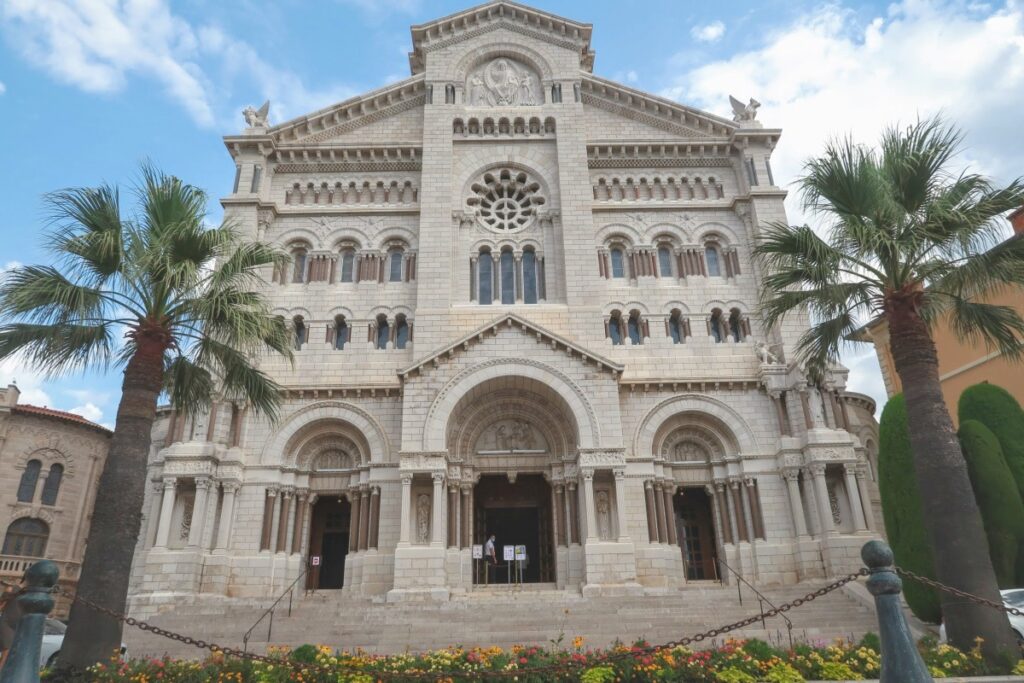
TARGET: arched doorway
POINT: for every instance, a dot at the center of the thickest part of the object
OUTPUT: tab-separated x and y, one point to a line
516	513
328	543
695	529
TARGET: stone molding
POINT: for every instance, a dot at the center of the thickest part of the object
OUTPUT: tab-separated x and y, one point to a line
647	429
601	458
423	461
360	420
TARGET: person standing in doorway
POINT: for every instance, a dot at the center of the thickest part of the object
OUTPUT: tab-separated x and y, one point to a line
490	557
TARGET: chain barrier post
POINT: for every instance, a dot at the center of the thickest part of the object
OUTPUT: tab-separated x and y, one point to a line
35	603
901	662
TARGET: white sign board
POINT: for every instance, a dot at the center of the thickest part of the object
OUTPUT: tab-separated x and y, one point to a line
314	561
478	552
509	552
520	552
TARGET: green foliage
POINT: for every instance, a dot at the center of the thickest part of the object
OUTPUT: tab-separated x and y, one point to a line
998	498
998	410
901	508
304	653
783	673
734	675
871	641
598	674
838	671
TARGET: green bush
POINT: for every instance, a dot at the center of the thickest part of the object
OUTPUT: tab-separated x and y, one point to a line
995	408
304	653
901	508
1002	511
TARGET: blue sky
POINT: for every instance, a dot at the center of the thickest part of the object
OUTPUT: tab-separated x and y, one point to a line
89	88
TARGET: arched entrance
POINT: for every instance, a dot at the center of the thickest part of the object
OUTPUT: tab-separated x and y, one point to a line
516	513
329	541
695	528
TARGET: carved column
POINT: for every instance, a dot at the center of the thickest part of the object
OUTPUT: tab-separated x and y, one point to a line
739	514
754	501
405	523
227	509
796	505
153	520
821	497
588	503
620	505
467	507
721	497
371	542
716	512
778	399
560	516
865	497
270	497
453	516
166	511
282	525
355	507
659	507
669	491
652	514
853	494
299	517
364	518
573	501
437	533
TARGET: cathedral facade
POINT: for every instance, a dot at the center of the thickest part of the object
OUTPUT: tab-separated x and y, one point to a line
523	305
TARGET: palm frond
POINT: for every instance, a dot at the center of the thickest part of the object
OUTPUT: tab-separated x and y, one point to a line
42	294
913	160
88	230
1000	328
189	386
58	349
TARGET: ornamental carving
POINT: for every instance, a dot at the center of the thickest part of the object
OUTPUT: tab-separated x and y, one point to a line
332	460
602	459
511	436
506	200
604	515
691	445
503	82
423	518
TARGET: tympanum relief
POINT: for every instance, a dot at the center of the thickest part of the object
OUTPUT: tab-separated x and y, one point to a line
511	436
503	82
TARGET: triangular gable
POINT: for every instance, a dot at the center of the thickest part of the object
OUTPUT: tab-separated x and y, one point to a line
511	320
455	28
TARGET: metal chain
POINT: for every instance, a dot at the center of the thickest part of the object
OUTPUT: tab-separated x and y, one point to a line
959	593
562	667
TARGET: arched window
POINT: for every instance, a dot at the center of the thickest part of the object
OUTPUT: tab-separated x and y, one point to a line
615	328
665	261
529	276
715	326
711	256
299	264
341	332
401	332
485	267
634	325
675	327
26	537
395	265
383	332
300	331
508	277
618	262
52	486
736	325
27	485
348	263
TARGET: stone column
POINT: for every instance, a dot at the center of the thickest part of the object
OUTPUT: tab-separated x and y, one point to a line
659	506
405	526
453	516
620	505
269	497
780	412
275	509
670	513
588	503
573	499
739	513
299	521
282	525
560	516
806	405
437	533
304	540
364	518
722	497
227	510
716	512
796	505
754	501
821	496
163	531
652	514
355	507
853	493
865	497
153	521
467	505
374	518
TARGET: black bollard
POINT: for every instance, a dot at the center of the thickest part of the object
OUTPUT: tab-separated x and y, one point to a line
901	662
35	601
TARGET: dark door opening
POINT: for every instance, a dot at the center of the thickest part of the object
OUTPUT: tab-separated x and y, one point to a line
328	540
695	528
517	514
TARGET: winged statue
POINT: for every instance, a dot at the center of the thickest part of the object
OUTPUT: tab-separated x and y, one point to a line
744	112
257	118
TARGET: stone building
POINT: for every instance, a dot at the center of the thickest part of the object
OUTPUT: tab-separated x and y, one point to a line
50	465
523	303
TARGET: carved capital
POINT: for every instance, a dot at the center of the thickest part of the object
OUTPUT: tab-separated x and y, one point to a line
170	483
202	483
816	469
791	474
438	477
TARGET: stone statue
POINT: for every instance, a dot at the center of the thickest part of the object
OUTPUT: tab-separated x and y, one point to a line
604	521
503	82
257	118
744	112
527	88
764	352
423	518
477	91
817	409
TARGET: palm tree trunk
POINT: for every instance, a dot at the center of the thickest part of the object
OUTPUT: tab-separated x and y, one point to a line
951	514
91	636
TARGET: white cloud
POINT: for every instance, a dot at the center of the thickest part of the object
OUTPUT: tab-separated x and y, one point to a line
30	383
708	33
378	7
89	411
3	88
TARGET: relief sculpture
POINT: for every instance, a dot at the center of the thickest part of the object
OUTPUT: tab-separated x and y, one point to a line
511	436
604	516
423	518
503	82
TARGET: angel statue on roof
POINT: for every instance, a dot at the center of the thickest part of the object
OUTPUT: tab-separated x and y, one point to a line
744	112
257	118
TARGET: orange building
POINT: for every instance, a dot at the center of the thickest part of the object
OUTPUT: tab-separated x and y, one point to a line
961	364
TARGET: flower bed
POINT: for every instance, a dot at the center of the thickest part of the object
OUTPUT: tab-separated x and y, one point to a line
737	661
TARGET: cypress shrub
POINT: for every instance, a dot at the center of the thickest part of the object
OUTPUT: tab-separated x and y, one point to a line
1002	511
901	509
995	408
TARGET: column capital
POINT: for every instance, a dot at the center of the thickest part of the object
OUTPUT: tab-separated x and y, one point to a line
791	473
287	492
438	478
169	483
817	469
851	468
313	497
406	478
734	483
571	486
158	485
272	491
231	486
301	494
588	475
374	490
619	473
749	481
648	484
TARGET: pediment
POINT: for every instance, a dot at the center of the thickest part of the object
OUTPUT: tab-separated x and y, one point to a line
514	323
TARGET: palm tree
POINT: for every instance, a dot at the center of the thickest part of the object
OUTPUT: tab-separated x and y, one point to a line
173	302
912	243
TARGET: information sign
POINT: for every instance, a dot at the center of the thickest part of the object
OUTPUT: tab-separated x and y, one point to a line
509	552
520	552
478	552
314	561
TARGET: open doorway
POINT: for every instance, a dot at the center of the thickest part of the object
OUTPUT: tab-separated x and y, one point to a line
328	540
517	514
695	528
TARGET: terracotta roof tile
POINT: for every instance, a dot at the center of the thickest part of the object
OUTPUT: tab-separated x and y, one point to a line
26	409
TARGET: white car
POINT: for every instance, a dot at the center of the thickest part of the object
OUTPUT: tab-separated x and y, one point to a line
1014	597
53	639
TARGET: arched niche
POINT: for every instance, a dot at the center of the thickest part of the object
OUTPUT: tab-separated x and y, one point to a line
324	418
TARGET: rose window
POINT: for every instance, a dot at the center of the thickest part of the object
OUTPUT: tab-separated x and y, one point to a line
506	200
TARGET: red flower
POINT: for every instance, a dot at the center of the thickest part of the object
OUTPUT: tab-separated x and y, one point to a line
522	660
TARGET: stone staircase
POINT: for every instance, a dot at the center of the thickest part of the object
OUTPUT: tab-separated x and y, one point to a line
504	617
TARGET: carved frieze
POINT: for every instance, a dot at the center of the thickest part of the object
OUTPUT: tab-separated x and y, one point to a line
423	462
601	459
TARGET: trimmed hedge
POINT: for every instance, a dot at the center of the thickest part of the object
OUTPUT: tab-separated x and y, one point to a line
998	410
1002	511
901	508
